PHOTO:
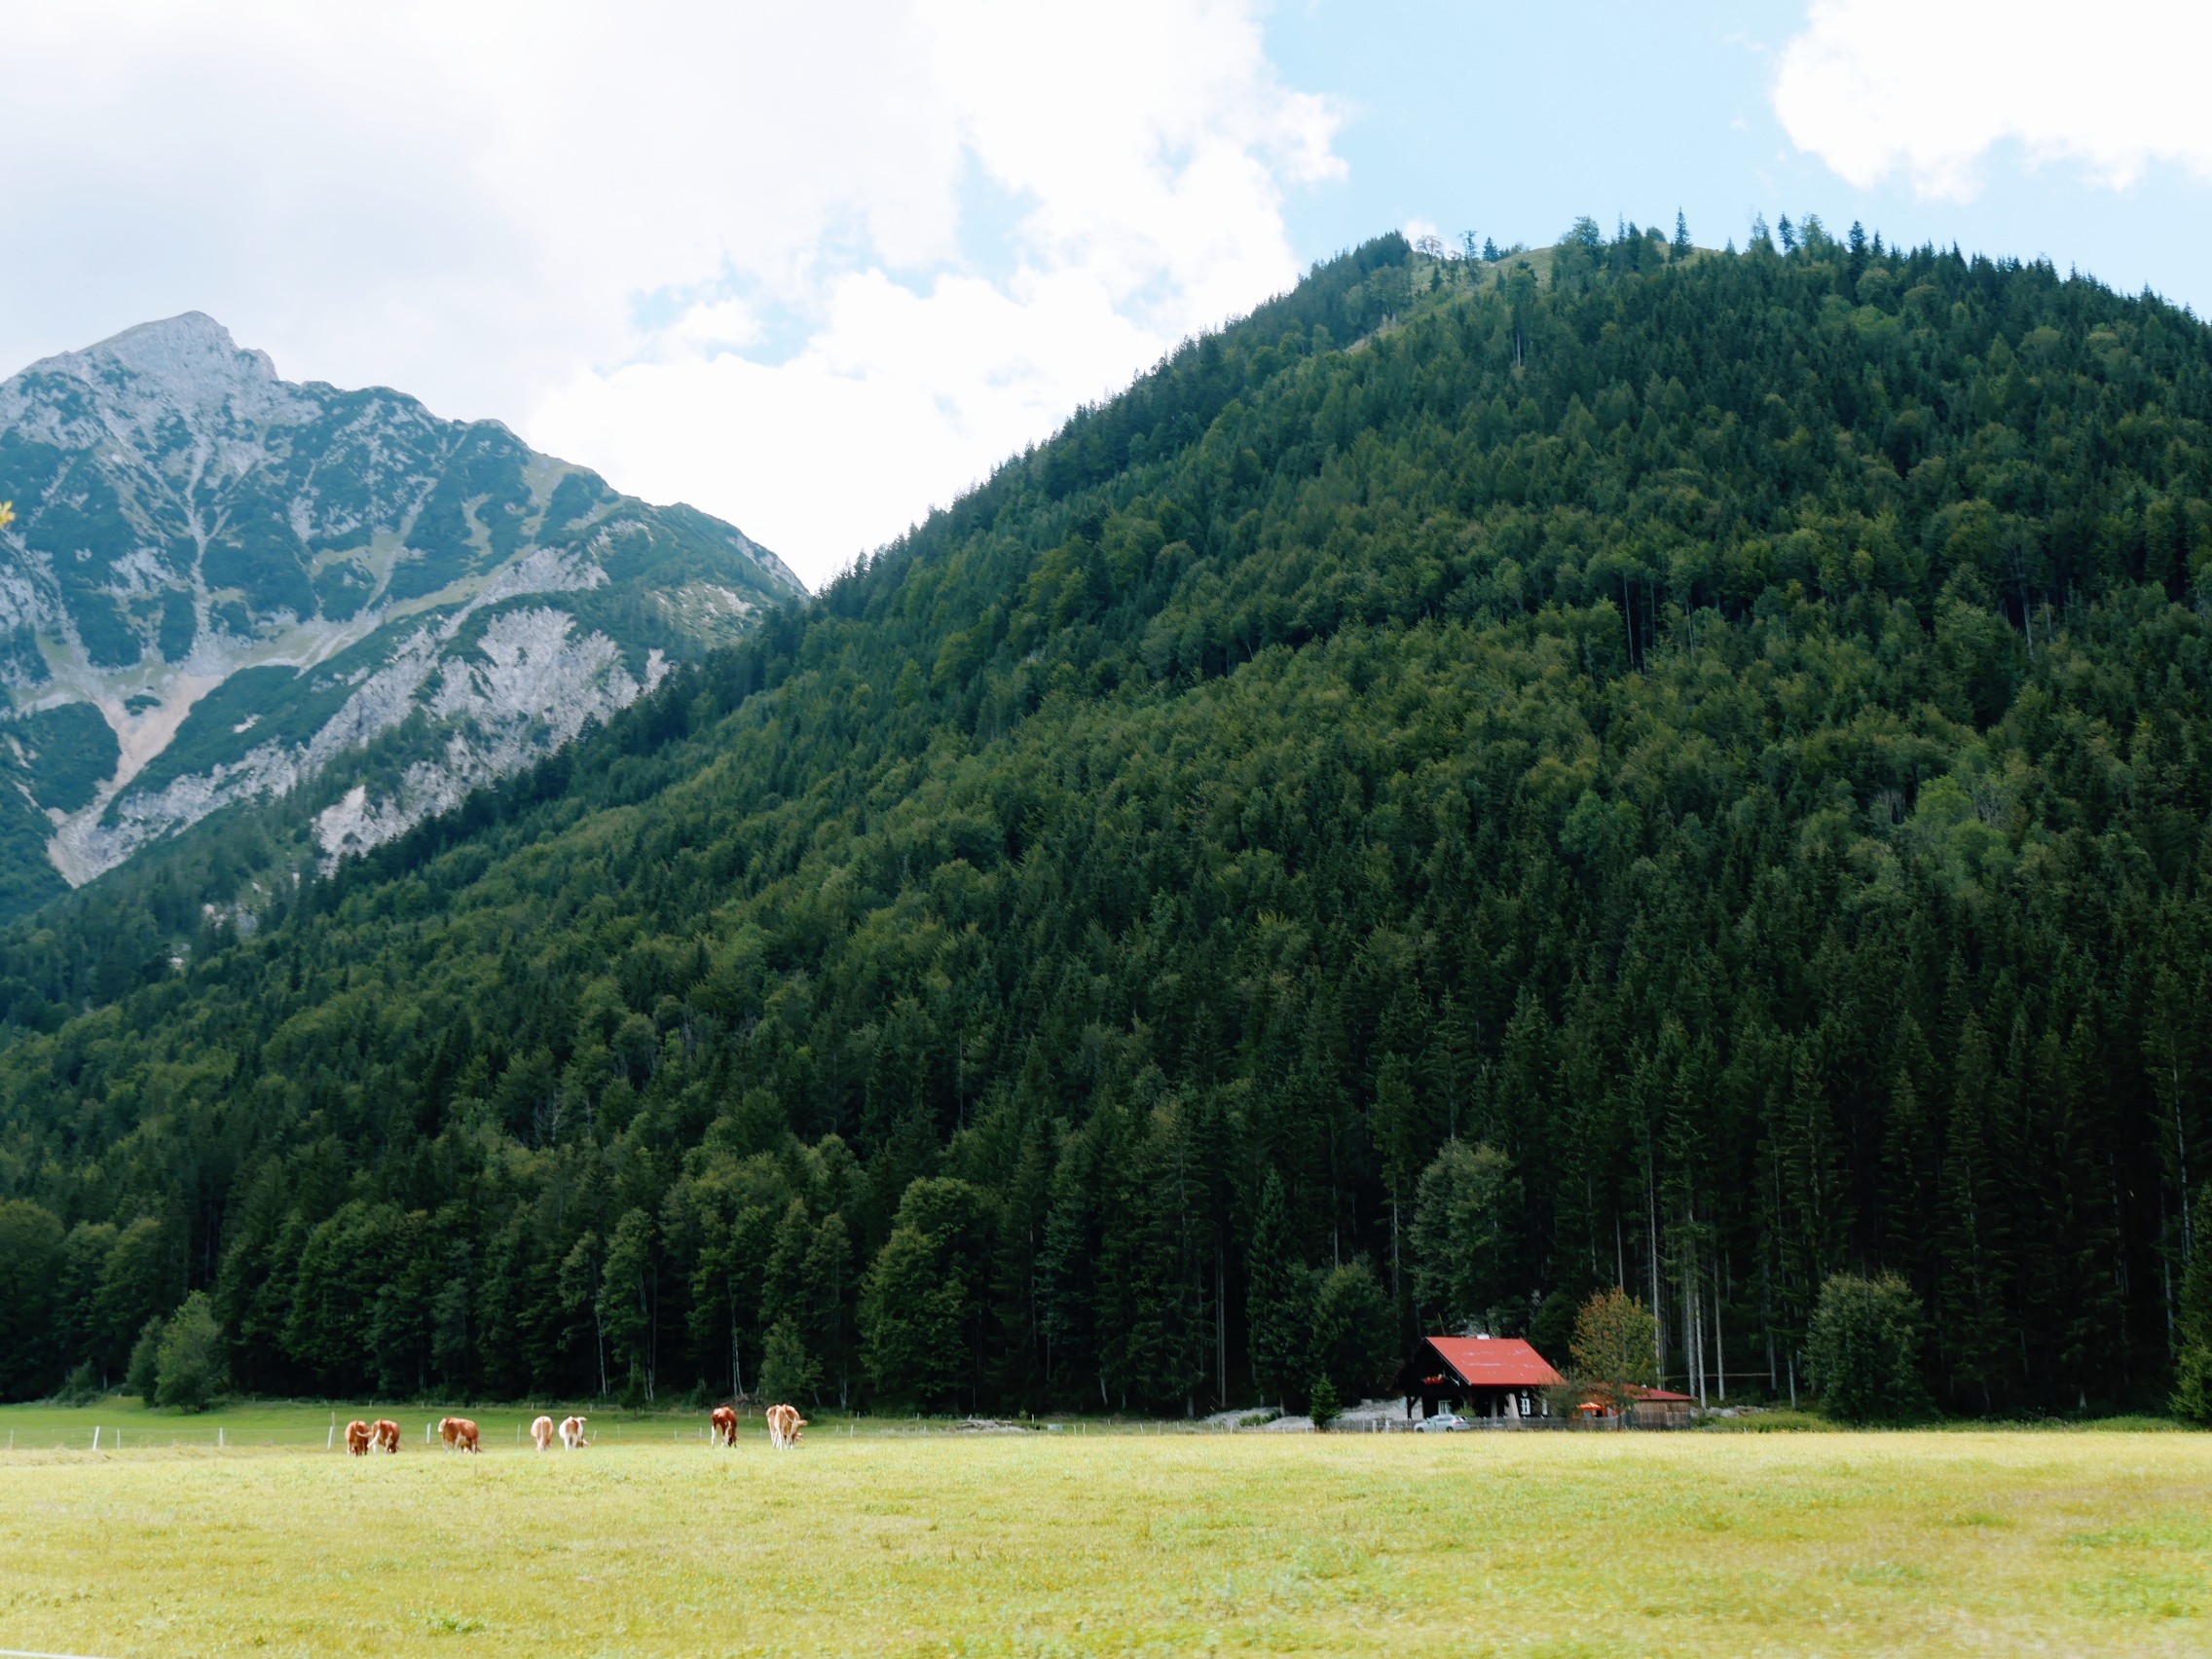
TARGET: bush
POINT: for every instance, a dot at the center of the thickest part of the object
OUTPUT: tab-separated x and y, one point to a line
1863	1352
189	1360
1564	1399
81	1387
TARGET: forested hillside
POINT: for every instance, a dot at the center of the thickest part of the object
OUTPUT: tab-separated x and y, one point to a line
1477	784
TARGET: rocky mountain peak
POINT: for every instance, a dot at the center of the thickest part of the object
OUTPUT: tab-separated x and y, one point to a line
186	365
221	585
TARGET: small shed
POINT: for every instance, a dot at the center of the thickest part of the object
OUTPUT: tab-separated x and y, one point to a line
1647	1408
1495	1378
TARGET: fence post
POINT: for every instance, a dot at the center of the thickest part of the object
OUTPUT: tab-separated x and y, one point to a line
95	1437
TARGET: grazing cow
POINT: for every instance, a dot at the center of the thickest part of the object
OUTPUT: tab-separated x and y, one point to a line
784	1425
357	1439
572	1433
459	1433
725	1420
385	1436
542	1432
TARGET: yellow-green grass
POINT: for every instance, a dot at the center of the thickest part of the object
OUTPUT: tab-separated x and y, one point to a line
1059	1543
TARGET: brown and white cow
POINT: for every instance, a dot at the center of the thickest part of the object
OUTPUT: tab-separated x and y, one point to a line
542	1432
572	1433
357	1439
725	1419
459	1435
385	1436
784	1425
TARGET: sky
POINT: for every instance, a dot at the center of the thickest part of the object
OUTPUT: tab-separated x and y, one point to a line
818	269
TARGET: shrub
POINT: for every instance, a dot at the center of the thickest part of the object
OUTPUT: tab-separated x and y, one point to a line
1863	1352
189	1360
81	1387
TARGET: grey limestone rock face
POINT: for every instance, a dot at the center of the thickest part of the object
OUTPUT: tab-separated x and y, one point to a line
221	586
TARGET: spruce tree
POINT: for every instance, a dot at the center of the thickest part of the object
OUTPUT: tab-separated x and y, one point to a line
1279	1303
2192	1367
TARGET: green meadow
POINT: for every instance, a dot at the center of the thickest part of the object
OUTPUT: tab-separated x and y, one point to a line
1068	1542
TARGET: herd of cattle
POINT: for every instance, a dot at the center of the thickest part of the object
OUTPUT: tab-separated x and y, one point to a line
459	1433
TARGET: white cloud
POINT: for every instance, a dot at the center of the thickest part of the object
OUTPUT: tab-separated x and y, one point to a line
716	250
1928	88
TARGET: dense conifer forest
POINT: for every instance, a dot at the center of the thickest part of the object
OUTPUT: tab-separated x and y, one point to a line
1478	784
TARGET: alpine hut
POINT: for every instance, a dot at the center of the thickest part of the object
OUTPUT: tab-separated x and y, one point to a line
1487	1378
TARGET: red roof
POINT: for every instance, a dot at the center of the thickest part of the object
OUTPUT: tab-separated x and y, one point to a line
1496	1362
1637	1391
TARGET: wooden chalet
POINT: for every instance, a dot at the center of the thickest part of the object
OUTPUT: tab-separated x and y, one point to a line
1488	1378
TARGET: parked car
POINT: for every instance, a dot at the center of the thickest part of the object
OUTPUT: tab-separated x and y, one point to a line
1443	1423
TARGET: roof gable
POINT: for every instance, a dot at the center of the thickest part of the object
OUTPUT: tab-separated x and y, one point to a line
1495	1362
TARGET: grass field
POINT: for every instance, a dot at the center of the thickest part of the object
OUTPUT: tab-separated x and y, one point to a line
1552	1544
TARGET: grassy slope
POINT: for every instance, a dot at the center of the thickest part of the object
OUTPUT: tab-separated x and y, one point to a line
1402	1544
